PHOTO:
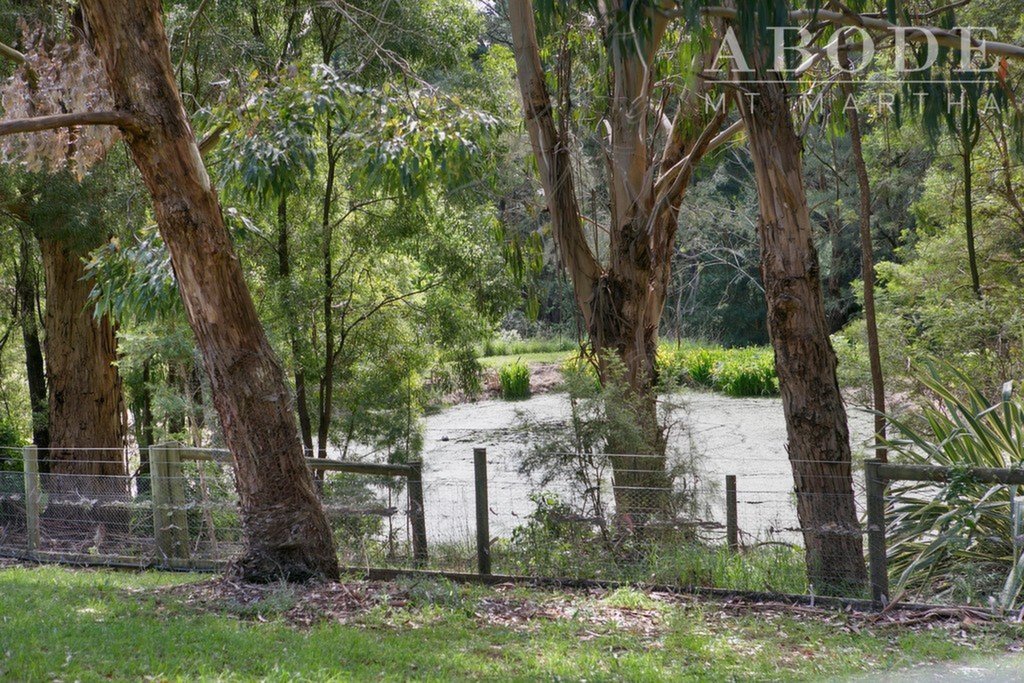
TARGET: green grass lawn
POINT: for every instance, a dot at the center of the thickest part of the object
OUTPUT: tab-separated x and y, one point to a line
528	358
101	625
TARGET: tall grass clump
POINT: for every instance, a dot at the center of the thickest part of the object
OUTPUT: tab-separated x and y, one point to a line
954	540
735	372
746	372
514	379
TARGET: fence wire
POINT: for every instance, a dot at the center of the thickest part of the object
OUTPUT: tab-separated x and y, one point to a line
612	517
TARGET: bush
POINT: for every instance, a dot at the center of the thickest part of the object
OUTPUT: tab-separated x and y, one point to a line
736	372
700	365
515	381
580	373
10	446
746	372
955	539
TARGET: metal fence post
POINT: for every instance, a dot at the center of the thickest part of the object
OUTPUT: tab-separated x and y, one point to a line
417	514
732	528
879	563
30	462
483	527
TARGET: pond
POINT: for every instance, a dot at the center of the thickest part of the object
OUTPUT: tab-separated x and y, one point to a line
745	437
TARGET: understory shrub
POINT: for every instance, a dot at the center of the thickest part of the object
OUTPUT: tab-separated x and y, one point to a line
12	478
514	379
746	372
954	540
557	540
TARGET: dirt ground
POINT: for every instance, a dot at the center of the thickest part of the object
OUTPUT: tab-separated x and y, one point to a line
519	606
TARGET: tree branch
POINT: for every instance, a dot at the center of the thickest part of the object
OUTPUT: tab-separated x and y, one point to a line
36	124
11	53
552	156
211	139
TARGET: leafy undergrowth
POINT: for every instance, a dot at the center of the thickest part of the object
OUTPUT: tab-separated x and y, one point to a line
90	625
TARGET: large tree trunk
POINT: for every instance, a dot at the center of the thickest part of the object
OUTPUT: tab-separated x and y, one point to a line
819	444
87	425
286	531
35	368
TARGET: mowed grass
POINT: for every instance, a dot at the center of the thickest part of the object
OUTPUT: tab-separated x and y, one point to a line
103	625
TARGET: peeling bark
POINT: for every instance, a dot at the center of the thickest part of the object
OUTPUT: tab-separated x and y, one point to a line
286	532
819	440
87	416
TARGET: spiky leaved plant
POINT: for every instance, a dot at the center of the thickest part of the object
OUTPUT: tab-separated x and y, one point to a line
943	537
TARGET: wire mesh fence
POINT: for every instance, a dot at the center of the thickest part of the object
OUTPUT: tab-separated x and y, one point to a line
630	518
174	507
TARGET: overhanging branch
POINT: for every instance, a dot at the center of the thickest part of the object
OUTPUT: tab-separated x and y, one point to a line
12	54
36	124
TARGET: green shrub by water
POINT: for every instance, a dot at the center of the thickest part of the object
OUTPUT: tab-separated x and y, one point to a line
514	379
735	372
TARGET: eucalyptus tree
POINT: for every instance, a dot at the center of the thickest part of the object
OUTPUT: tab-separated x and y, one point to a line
87	420
657	129
84	422
390	175
286	531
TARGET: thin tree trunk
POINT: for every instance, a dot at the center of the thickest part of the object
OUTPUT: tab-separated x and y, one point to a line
284	270
87	426
326	403
175	425
144	435
35	369
972	257
286	532
867	260
819	441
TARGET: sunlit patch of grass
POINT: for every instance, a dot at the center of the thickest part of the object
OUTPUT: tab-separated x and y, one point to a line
48	631
629	598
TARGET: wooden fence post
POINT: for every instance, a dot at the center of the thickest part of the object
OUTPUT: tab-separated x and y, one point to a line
170	520
483	526
417	514
1017	523
732	528
879	563
30	461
